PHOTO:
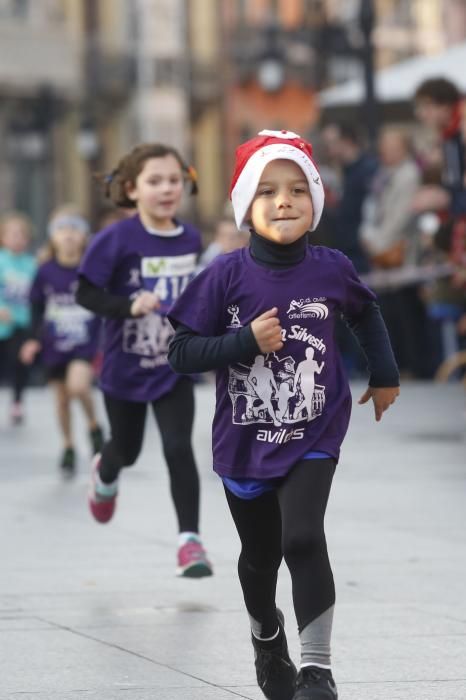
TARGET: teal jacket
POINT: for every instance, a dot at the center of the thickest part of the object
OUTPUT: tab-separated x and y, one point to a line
16	274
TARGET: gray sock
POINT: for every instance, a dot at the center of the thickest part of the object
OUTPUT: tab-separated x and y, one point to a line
315	640
256	629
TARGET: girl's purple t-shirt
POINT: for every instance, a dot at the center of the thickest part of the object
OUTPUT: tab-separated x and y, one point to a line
272	411
126	259
68	331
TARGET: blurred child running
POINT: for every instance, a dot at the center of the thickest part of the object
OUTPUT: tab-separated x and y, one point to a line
131	274
65	334
17	269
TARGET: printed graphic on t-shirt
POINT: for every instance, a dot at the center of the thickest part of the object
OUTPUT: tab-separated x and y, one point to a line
308	308
68	321
148	337
233	311
168	276
278	391
15	287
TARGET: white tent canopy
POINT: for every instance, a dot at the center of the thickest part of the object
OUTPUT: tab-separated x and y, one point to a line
398	83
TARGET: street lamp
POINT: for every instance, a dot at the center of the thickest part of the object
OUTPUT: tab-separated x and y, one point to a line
271	63
271	74
87	140
366	22
335	39
88	147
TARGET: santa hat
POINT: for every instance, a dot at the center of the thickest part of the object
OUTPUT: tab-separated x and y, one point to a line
255	154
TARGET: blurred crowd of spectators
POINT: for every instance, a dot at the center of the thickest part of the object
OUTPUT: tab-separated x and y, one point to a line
398	212
400	215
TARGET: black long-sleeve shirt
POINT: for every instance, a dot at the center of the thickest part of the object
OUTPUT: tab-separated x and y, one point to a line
101	302
190	352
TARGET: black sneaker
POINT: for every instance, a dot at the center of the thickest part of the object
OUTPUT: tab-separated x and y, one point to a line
96	437
275	672
68	462
315	683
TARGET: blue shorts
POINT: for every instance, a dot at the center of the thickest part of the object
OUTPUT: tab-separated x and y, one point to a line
248	489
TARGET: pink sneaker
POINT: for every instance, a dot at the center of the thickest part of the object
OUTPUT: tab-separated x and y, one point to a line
192	560
16	413
101	506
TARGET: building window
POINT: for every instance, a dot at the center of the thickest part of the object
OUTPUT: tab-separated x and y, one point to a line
15	9
47	11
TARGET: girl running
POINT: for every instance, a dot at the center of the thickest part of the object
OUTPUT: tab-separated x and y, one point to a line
17	269
287	296
131	274
65	334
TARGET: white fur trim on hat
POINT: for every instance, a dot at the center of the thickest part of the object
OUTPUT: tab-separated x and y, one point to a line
279	134
248	180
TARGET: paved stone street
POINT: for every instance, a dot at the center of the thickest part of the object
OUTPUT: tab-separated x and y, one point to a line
90	611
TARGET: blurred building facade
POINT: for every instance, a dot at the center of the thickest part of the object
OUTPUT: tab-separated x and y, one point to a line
272	69
261	63
81	81
206	85
65	67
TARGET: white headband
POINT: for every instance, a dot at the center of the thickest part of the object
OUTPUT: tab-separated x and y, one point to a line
69	221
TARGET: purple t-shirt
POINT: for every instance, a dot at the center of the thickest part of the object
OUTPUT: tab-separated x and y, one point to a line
126	259
272	411
69	332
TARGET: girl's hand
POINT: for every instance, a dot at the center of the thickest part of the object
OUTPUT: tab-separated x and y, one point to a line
267	331
382	398
5	315
28	351
144	304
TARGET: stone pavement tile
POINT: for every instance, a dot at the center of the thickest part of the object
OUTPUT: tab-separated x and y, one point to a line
385	620
412	584
23	623
207	648
59	659
146	693
418	690
453	610
398	659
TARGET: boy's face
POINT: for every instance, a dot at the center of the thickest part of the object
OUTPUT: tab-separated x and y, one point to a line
433	114
282	206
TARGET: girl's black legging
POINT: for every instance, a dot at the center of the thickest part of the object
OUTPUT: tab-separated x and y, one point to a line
286	522
174	414
11	366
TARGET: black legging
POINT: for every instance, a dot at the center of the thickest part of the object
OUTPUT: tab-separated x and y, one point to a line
174	413
288	522
11	367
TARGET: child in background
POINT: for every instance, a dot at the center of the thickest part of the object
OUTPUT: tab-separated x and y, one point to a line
17	269
131	273
65	334
263	316
226	239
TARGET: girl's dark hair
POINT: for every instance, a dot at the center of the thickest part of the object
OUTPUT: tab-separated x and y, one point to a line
439	90
129	167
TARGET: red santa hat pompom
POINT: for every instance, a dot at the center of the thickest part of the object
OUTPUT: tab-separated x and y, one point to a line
255	154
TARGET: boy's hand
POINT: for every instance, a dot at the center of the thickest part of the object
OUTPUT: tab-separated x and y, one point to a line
267	331
144	304
28	351
382	398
